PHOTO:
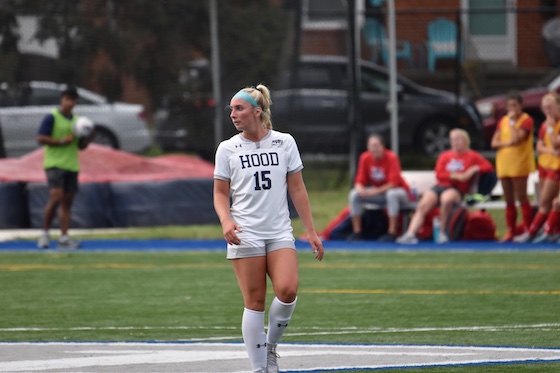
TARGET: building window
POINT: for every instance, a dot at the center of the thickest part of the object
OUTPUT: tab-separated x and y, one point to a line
327	14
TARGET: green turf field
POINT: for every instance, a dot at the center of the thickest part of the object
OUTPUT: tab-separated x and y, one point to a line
451	298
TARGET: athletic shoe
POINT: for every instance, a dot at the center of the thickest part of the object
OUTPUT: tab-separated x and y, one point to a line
473	199
442	238
271	363
44	242
545	237
507	237
354	237
69	244
407	239
387	237
524	237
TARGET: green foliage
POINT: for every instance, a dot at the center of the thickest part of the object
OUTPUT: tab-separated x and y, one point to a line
149	40
251	42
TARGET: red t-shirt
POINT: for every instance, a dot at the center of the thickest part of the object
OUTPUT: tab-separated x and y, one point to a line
449	162
374	172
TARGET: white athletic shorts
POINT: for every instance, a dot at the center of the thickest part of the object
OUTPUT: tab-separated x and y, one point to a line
252	245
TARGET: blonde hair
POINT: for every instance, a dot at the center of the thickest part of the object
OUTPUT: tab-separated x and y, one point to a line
261	94
551	96
463	134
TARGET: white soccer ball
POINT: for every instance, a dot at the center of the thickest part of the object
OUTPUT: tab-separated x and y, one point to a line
83	126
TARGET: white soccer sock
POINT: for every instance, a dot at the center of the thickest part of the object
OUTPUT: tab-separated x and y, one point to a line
254	337
279	317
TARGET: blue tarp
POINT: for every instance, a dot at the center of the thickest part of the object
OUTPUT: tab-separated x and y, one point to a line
131	204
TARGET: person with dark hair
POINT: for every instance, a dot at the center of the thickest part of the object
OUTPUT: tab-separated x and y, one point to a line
61	165
379	181
257	168
515	160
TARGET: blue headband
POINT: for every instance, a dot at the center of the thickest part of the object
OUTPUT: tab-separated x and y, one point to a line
246	97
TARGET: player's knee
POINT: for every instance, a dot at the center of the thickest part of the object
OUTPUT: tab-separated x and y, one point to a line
256	304
287	293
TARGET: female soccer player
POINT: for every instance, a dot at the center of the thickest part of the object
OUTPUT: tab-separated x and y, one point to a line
258	167
548	148
515	160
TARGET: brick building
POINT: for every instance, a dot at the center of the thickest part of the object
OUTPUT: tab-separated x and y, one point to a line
493	31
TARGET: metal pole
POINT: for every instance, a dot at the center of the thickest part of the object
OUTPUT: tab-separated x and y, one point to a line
458	67
354	104
393	100
216	87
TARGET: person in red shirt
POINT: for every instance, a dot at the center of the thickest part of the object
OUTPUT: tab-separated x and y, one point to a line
378	180
456	169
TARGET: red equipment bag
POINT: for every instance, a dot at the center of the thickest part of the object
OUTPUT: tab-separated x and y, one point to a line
479	227
456	223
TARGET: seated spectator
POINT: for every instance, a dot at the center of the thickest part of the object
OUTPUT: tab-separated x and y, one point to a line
378	180
456	169
548	149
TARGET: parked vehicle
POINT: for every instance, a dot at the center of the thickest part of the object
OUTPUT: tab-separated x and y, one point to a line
184	121
492	109
312	104
22	108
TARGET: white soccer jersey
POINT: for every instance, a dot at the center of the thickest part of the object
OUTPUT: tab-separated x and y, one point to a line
257	174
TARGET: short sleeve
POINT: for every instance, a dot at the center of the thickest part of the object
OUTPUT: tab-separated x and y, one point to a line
294	159
222	170
46	126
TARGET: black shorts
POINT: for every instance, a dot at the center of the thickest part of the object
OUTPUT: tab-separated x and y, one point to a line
438	189
62	179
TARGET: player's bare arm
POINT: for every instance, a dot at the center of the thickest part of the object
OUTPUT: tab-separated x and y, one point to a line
221	205
48	140
298	194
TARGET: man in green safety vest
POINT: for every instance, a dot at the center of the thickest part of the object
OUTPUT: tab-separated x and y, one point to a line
61	163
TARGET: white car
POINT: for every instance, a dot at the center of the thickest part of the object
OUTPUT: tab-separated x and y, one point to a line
22	108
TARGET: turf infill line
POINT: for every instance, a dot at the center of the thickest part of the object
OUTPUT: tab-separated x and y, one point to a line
311	330
232	358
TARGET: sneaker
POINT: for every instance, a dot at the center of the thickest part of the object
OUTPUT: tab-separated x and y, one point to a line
508	237
473	199
407	239
388	237
442	238
524	237
354	237
69	244
546	238
44	242
271	363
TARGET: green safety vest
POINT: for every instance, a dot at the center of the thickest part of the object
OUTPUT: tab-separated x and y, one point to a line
65	156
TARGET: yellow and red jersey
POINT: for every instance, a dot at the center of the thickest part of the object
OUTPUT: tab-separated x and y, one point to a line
515	160
546	160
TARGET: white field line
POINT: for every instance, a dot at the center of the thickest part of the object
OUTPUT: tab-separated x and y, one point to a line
97	354
303	331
